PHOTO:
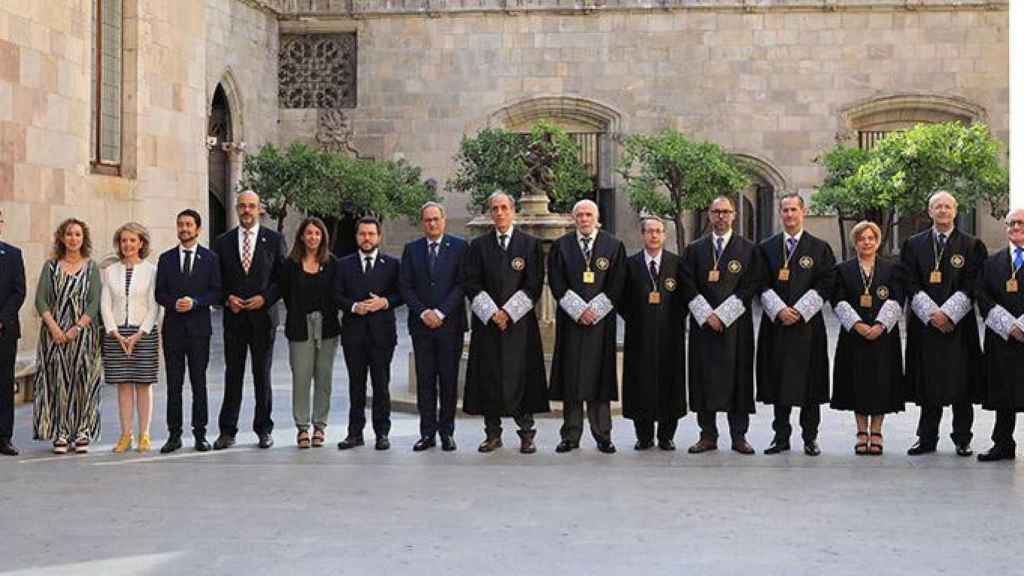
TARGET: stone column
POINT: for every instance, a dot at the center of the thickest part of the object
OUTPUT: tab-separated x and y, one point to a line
236	158
1016	105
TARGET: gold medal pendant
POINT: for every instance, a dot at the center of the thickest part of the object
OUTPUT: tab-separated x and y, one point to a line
1011	286
935	277
865	301
784	275
654	298
712	275
588	277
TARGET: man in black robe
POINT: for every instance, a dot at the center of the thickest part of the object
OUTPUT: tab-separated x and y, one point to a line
503	277
654	366
586	272
1000	295
792	349
725	272
943	349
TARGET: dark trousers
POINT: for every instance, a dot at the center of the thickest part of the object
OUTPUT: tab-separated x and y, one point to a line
963	420
645	429
1002	433
362	357
237	344
492	424
192	352
8	353
599	414
810	418
739	422
437	376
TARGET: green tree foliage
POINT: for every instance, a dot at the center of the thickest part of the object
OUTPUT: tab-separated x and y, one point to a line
495	160
284	179
667	174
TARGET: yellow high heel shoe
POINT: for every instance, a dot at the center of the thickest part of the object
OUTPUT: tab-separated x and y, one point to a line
124	443
145	443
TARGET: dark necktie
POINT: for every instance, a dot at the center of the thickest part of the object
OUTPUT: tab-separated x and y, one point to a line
187	268
718	248
433	255
586	248
369	265
502	240
1018	260
790	246
942	241
654	273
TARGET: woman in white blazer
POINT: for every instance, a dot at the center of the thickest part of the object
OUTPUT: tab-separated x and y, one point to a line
130	341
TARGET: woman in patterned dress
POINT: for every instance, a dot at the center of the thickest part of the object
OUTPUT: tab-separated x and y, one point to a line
131	344
67	396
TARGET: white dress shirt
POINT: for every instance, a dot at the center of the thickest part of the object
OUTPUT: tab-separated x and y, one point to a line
255	231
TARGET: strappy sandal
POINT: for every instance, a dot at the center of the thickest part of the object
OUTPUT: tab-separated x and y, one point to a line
82	445
861	448
318	437
60	446
875	449
302	439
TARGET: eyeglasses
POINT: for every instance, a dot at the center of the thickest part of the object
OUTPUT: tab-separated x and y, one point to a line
721	212
1009	224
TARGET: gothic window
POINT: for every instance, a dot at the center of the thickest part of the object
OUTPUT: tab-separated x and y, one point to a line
317	71
107	77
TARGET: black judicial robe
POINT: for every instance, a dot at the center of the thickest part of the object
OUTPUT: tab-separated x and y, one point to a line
792	361
1004	359
654	363
505	375
583	366
722	364
868	375
943	369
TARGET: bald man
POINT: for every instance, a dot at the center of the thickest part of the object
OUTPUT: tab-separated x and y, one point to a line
250	264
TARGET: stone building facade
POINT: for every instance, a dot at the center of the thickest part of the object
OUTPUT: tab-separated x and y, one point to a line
193	85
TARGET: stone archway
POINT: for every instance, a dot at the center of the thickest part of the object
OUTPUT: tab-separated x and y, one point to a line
755	205
226	145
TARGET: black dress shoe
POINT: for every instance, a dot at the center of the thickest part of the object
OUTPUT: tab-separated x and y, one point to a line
667	444
566	446
447	443
998	452
963	449
643	445
173	443
201	445
350	442
223	441
921	448
8	449
811	448
606	447
423	443
382	443
777	447
266	441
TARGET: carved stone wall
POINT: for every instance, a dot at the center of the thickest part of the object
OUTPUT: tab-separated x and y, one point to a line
317	71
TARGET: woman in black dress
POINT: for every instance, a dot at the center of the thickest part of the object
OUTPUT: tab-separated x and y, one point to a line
868	371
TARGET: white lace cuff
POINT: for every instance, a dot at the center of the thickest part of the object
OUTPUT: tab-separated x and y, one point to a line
889	314
923	306
573	305
700	310
517	306
957	306
484	307
847	315
809	305
730	310
1020	323
772	304
1000	321
601	306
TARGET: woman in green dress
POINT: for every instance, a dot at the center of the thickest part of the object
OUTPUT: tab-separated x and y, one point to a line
67	382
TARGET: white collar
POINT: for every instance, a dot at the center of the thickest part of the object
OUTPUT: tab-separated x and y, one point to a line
796	236
439	241
725	237
1014	248
579	237
656	259
255	229
373	255
508	233
935	232
194	249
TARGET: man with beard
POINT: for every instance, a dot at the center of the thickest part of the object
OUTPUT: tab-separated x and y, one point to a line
586	273
1001	300
187	284
792	350
724	270
250	258
654	364
366	289
503	277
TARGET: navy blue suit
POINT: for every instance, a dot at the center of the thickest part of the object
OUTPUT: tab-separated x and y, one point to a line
12	296
368	341
437	351
187	334
249	331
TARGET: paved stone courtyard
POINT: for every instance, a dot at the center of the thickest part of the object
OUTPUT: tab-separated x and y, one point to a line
284	511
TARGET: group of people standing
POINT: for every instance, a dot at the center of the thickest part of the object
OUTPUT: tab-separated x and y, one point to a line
102	325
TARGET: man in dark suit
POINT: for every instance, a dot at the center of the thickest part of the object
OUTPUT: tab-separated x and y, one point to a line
12	296
187	284
250	264
429	282
366	289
